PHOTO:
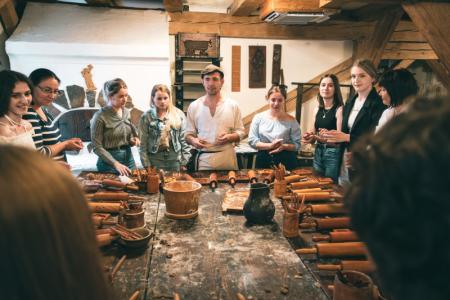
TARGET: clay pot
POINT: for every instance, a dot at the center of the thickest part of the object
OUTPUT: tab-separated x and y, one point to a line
259	208
353	285
290	224
181	199
134	218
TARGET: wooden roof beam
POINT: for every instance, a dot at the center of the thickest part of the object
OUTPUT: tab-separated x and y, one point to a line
431	18
8	16
244	7
441	73
353	3
253	27
173	5
285	6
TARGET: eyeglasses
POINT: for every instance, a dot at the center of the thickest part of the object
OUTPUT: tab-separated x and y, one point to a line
49	91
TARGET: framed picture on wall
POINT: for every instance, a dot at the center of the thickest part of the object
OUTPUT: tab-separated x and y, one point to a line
197	45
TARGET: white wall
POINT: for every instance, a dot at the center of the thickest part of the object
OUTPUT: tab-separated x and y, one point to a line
131	44
301	61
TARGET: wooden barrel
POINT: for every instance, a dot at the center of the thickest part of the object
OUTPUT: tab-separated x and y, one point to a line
181	199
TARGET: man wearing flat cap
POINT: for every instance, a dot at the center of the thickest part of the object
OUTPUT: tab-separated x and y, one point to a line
214	125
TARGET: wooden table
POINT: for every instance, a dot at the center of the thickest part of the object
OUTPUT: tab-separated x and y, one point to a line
215	256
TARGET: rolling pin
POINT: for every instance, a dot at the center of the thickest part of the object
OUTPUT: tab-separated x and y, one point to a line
106	207
327	223
119	184
213	181
335	249
114	196
103	239
314	195
305	184
252	176
326	209
364	266
269	178
337	236
293	178
310	190
232	178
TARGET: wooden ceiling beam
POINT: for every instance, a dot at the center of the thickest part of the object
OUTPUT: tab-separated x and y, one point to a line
406	31
373	46
173	5
431	18
408	51
404	64
8	16
353	3
244	7
285	6
252	27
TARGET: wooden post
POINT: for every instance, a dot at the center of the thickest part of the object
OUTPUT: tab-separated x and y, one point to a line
298	103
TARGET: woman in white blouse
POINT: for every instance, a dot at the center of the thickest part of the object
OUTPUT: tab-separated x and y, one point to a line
15	98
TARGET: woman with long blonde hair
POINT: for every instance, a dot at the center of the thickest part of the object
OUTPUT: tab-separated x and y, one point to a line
162	130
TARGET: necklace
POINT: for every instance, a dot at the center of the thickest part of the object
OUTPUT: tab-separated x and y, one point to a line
12	122
325	112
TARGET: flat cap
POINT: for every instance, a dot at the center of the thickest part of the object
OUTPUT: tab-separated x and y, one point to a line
211	69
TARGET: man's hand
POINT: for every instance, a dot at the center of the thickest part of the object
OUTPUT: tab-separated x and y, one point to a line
198	143
224	138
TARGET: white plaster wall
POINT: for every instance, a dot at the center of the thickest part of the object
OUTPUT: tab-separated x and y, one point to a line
4	61
301	60
131	44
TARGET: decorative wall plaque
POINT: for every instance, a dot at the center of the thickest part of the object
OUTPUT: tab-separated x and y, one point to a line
257	66
197	45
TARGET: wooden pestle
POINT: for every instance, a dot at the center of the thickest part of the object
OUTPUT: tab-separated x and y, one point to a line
364	266
269	178
252	176
106	207
213	181
335	249
328	223
326	209
119	184
293	178
232	178
305	184
337	236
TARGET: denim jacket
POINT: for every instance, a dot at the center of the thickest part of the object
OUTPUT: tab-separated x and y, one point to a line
150	127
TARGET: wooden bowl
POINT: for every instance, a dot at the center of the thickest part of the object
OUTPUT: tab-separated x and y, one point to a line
139	243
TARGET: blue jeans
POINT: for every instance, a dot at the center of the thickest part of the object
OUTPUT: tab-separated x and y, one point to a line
124	156
264	160
326	161
166	160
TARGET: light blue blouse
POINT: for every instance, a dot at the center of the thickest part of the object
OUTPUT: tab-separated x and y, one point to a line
265	129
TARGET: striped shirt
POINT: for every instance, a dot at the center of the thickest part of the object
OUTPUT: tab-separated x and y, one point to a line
46	133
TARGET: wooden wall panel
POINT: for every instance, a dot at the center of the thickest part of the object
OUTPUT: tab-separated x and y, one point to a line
236	68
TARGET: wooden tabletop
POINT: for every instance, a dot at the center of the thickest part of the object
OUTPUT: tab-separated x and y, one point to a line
215	256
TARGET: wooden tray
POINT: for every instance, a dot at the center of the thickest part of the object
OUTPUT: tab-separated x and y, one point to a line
234	200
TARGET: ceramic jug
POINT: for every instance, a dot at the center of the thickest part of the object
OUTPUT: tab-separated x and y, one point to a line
259	208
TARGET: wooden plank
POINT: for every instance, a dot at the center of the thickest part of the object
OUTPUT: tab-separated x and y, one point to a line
8	16
406	31
404	64
173	5
342	71
276	64
372	48
252	27
285	6
236	68
441	73
431	18
353	3
408	51
244	7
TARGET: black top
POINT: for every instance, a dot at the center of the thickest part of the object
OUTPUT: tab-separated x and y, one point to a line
325	118
367	118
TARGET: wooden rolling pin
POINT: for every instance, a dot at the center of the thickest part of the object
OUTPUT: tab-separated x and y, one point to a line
269	178
327	223
232	178
305	184
119	184
326	209
293	178
314	195
337	236
213	181
252	176
103	239
106	207
335	249
115	196
364	266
